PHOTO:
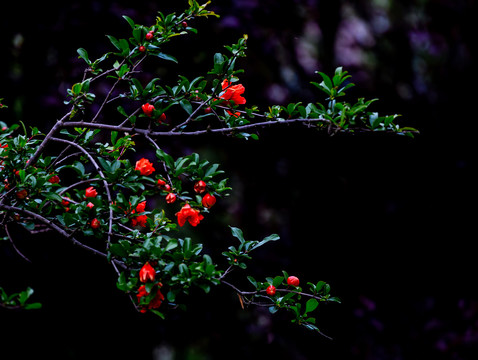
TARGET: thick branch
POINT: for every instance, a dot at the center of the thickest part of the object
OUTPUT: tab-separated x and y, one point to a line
58	229
183	133
45	142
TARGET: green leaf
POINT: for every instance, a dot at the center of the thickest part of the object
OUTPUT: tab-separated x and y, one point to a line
156	312
218	59
277	281
114	41
186	105
24	295
166	57
163	156
83	54
105	164
252	281
311	305
33	306
52	196
326	80
130	21
237	233
273	237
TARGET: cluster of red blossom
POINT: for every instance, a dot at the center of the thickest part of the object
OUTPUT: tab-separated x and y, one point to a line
230	93
148	274
186	214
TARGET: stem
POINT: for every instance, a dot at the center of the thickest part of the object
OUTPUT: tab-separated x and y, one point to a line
13	244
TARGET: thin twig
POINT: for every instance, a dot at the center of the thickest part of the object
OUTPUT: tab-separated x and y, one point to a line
105	183
13	244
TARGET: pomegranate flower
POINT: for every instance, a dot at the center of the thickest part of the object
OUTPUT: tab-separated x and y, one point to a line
146	273
233	93
155	302
144	166
148	109
189	214
90	192
140	219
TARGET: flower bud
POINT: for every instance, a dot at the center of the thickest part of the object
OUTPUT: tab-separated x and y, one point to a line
91	192
95	223
208	200
200	187
146	273
293	281
170	198
271	290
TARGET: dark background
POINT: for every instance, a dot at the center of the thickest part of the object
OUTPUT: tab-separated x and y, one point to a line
388	221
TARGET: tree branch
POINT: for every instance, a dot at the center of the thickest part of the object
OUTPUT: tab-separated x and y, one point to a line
105	183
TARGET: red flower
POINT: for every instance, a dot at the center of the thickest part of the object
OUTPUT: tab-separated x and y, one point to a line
162	118
200	187
233	93
139	220
293	280
148	109
189	214
271	290
144	167
90	205
146	273
91	192
170	198
55	179
95	223
208	200
140	207
154	303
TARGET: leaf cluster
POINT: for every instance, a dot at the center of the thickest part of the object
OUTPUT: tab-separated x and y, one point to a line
18	300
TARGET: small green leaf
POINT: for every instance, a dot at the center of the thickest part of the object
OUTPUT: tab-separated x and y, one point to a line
311	305
186	105
33	306
252	281
273	237
129	20
166	57
83	54
237	233
277	281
